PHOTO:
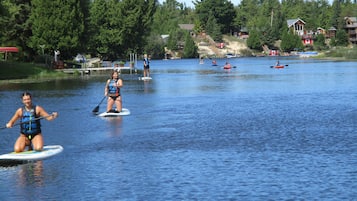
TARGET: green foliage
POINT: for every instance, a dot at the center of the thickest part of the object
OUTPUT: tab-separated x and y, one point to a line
290	42
222	10
348	53
57	25
172	42
112	29
17	28
213	29
155	46
319	43
341	38
12	70
169	15
120	27
253	41
190	48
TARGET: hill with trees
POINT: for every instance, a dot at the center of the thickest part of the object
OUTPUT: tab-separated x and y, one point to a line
112	29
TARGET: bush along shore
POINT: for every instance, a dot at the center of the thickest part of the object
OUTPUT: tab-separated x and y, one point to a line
27	72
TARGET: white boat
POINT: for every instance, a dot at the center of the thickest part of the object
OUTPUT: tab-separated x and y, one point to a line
230	55
307	54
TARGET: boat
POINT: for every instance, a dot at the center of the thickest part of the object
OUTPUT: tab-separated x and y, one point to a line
279	66
230	55
307	54
227	66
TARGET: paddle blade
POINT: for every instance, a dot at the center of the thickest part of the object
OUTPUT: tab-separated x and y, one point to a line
96	109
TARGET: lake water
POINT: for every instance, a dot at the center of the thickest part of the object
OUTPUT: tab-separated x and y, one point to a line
196	132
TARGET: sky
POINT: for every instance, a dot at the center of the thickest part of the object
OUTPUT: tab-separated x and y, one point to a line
190	4
235	2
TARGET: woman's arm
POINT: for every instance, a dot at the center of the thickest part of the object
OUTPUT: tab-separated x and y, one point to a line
106	88
119	83
14	118
42	113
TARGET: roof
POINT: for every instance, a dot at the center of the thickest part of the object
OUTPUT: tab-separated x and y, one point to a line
352	19
291	22
164	36
332	29
9	49
188	27
351	22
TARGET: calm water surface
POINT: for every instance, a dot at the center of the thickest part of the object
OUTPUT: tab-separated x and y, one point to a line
196	132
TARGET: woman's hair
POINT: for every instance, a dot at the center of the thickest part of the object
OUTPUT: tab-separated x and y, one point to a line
113	73
26	94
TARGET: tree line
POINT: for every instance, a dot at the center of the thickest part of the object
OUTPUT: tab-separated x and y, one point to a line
113	29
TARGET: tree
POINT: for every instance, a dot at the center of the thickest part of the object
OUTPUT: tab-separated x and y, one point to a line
17	28
246	13
319	43
122	26
213	29
222	10
253	41
58	25
341	38
190	48
137	18
290	42
155	46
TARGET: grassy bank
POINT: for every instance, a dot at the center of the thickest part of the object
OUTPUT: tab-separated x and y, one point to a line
16	70
345	53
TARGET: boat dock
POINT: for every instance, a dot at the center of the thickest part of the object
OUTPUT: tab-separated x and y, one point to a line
99	70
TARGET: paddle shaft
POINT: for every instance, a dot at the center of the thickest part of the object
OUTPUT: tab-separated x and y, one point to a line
35	119
96	109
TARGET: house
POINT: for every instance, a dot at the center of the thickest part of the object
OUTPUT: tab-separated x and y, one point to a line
297	26
188	27
320	31
331	33
243	33
351	29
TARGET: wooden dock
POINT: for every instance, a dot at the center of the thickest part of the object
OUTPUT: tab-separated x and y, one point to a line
100	70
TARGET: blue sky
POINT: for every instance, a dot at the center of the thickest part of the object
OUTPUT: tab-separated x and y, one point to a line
190	4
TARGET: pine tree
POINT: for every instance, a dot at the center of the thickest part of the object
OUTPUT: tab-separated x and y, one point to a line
58	25
190	48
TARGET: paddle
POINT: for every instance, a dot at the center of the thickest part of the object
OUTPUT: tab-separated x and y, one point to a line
35	119
96	109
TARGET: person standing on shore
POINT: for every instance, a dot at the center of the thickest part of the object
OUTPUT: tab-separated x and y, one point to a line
30	129
112	90
146	66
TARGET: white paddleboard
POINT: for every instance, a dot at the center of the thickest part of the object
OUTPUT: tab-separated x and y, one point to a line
145	78
123	112
47	152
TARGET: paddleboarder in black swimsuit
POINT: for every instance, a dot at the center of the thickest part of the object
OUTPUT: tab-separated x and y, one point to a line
30	130
112	90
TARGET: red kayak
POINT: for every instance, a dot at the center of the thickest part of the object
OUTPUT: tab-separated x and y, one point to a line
280	66
228	66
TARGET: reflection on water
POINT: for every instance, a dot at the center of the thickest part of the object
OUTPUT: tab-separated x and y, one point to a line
31	174
114	125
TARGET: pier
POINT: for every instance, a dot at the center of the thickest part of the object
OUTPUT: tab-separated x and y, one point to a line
100	70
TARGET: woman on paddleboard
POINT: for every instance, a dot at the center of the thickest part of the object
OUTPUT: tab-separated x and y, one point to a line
112	90
146	66
30	126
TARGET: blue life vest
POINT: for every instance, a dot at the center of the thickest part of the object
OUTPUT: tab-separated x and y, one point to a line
30	127
113	90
